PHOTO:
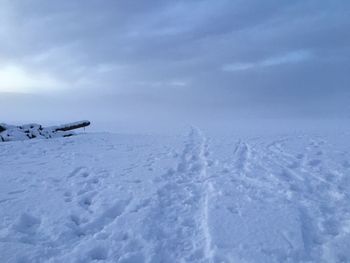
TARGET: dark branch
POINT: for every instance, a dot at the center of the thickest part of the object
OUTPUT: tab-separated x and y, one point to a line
73	126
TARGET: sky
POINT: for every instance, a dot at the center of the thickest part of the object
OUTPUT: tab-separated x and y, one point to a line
159	61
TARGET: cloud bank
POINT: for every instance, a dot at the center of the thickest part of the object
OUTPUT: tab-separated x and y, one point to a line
137	60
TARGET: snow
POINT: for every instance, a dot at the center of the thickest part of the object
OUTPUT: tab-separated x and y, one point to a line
196	197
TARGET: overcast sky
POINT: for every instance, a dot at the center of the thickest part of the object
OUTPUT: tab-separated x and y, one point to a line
143	60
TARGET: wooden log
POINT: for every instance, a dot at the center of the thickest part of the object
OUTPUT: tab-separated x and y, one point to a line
31	131
72	126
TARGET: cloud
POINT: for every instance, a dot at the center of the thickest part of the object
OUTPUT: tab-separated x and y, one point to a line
162	84
289	58
16	79
179	52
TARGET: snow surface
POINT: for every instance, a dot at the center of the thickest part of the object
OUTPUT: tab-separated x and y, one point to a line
192	198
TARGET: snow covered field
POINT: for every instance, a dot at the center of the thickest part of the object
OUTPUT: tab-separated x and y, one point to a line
187	198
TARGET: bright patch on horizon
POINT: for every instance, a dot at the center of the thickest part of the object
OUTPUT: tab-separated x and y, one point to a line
16	79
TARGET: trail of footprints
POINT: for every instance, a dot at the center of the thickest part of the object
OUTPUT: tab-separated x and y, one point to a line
87	186
321	200
177	215
181	196
85	235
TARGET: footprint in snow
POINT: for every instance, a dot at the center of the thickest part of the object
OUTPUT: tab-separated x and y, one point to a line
79	171
331	227
7	200
97	253
81	226
141	205
16	192
107	217
293	165
68	196
86	200
319	153
27	224
132	258
300	156
74	223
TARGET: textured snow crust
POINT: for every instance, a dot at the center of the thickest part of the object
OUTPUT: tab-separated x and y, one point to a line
187	198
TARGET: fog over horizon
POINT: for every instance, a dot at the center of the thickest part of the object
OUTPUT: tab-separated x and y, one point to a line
147	63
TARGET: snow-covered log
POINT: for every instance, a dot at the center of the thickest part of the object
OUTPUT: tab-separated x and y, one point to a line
72	126
33	130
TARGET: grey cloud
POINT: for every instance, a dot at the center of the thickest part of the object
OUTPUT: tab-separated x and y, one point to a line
230	56
291	57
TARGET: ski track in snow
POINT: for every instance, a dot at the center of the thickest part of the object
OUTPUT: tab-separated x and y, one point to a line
318	189
129	198
179	215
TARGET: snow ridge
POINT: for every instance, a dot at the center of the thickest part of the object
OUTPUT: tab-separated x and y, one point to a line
180	228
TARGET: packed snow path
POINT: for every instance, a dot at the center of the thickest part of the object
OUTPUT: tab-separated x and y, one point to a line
192	198
179	215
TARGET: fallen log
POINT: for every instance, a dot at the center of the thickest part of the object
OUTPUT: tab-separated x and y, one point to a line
31	131
72	126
